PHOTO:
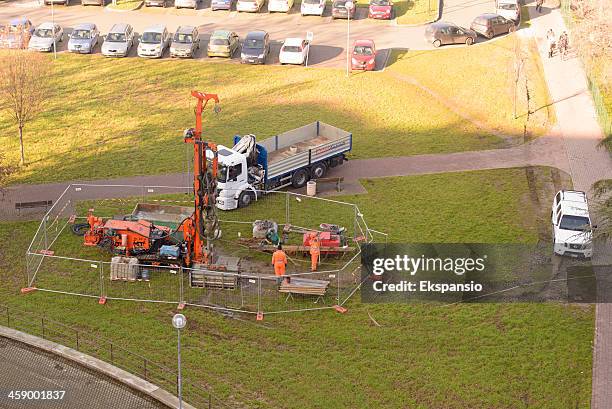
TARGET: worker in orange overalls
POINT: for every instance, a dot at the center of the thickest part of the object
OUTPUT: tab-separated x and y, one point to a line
279	261
315	250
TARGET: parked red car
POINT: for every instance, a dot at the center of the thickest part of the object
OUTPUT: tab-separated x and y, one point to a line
380	9
364	55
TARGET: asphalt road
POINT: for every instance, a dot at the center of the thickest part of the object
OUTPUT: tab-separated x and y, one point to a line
330	36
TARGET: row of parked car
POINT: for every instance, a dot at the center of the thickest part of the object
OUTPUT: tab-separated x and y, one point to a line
184	43
503	21
378	9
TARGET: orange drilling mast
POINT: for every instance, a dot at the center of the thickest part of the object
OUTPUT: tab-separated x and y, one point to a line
202	227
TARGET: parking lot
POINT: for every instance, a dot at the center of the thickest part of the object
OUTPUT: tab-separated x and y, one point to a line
330	36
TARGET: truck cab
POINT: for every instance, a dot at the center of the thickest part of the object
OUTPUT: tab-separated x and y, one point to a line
571	223
232	180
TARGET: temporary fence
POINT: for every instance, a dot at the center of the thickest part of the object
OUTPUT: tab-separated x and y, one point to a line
57	261
603	115
110	351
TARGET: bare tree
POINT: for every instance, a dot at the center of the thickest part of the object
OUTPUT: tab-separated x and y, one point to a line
24	85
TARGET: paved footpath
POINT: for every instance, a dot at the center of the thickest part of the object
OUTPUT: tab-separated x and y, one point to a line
577	122
545	151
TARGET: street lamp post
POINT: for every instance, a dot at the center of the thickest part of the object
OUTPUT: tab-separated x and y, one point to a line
179	321
348	5
53	31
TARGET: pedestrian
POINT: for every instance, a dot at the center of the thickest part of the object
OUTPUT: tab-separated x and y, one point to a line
539	4
279	261
315	250
550	36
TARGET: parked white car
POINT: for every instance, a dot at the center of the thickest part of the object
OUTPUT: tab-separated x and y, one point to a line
45	36
510	9
282	6
154	41
252	6
118	41
312	7
571	223
186	4
294	51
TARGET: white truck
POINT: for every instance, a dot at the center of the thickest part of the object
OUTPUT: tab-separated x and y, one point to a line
251	169
571	223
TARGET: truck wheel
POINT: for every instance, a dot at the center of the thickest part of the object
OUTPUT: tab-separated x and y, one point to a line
245	199
318	171
299	178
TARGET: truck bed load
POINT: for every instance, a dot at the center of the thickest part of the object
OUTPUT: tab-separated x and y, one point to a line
301	147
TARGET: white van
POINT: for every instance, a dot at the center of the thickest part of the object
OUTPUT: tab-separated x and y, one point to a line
571	224
510	9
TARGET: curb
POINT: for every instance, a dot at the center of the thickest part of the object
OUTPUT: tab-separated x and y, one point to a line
126	378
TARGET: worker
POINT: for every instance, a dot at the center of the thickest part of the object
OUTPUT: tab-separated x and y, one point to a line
315	250
279	261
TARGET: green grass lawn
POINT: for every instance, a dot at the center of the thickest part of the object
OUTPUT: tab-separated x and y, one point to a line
109	118
126	5
422	356
413	12
478	80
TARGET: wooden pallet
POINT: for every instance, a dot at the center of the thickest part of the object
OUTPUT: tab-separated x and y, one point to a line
304	286
212	280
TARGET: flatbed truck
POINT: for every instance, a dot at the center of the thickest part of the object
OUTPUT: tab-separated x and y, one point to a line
251	169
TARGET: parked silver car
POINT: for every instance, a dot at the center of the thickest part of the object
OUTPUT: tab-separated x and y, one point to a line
185	42
118	41
83	38
154	41
45	36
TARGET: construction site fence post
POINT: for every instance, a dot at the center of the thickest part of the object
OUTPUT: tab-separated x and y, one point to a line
181	285
101	274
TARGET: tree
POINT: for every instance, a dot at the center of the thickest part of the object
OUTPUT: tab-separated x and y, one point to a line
24	87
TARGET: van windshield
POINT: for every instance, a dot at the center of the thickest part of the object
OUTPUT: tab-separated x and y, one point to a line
575	223
507	7
82	34
182	38
115	37
254	43
151	38
43	33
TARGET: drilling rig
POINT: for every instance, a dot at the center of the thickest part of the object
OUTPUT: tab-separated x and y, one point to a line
158	244
202	228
